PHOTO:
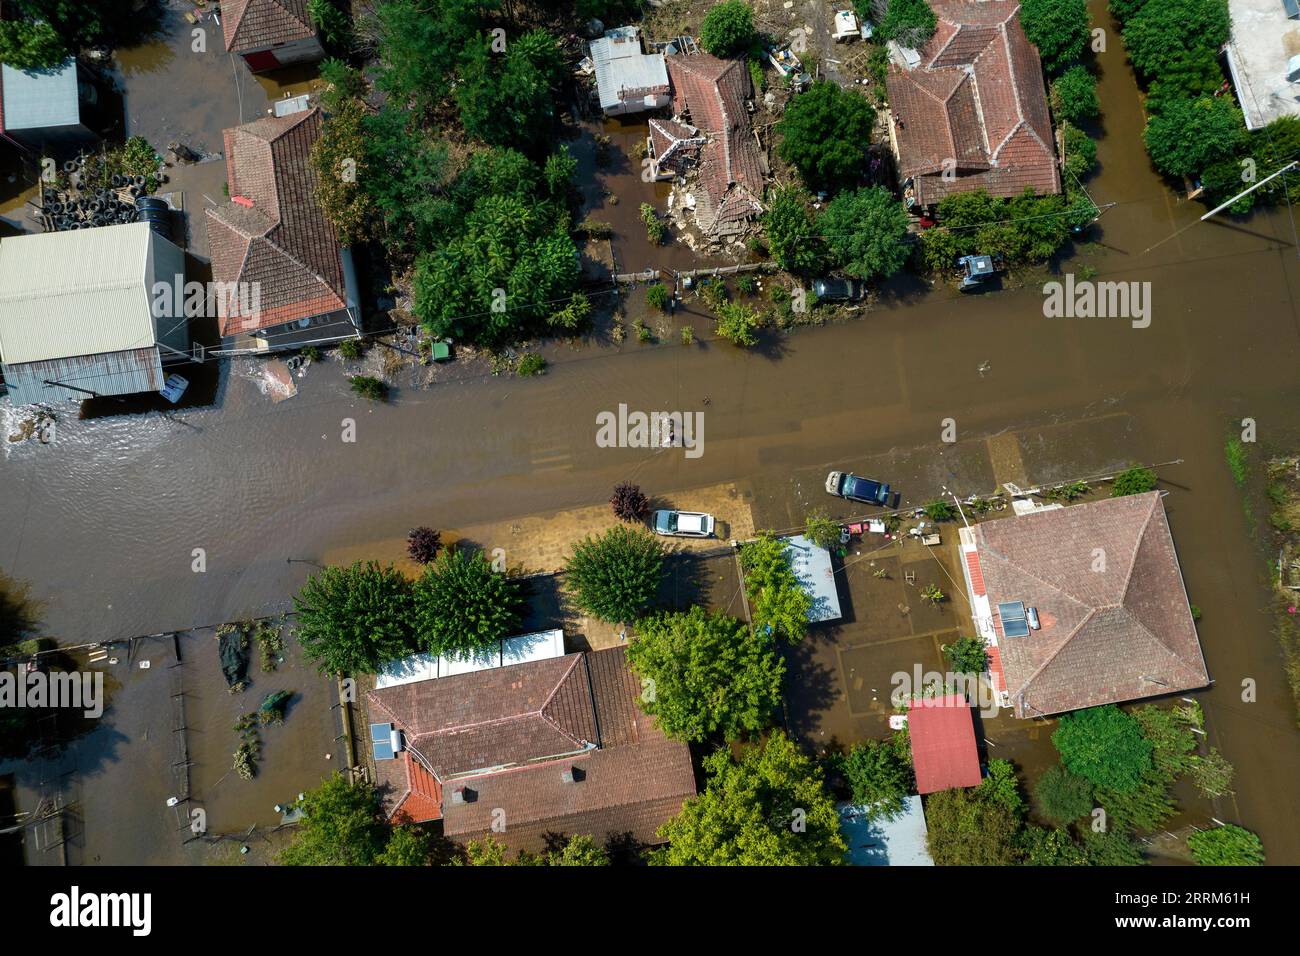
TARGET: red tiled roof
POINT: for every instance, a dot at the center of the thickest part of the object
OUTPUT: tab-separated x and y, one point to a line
976	104
259	24
1115	622
507	735
943	743
713	92
274	232
973	565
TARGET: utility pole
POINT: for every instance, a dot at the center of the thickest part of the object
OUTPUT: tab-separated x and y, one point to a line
1247	192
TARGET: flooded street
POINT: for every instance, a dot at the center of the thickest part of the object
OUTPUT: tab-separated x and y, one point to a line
104	521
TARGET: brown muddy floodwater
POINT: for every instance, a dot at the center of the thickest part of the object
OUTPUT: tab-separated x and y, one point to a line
103	521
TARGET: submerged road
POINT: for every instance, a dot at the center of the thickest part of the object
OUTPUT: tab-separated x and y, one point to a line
104	522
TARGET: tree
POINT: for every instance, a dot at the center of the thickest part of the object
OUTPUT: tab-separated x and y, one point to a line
910	22
1111	847
1133	481
1080	152
629	501
824	133
822	530
423	544
1187	135
939	510
369	387
739	324
866	231
769	807
340	826
1145	807
28	45
509	100
1055	847
407	846
791	230
420	43
1212	774
1074	95
967	655
1025	228
339	159
354	620
966	829
1160	36
1002	787
615	576
335	26
778	604
879	774
580	850
706	674
1061	796
508	245
1172	741
1059	28
1105	745
577	850
728	29
462	604
1227	845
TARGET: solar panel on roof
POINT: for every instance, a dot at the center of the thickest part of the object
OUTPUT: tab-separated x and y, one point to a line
381	741
1014	623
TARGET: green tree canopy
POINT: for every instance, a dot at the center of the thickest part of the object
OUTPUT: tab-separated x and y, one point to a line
1187	135
824	133
1002	787
866	232
1061	796
1054	847
706	674
514	262
1161	35
1227	845
1025	228
791	230
778	604
508	99
409	845
341	826
768	808
1074	95
616	576
420	43
463	605
1105	745
26	45
910	22
728	28
967	829
879	774
1059	28
577	850
354	620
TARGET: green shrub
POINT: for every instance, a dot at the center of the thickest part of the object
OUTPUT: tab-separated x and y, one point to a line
1074	95
940	509
351	348
727	29
530	363
367	386
655	229
1063	797
657	297
1227	845
1133	481
739	324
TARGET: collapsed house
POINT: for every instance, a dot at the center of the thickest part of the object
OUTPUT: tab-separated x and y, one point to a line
710	138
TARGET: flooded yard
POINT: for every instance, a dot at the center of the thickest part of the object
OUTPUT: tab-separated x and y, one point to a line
103	520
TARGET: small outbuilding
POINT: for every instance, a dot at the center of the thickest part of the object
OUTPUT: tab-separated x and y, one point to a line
84	313
944	753
40	108
269	34
628	80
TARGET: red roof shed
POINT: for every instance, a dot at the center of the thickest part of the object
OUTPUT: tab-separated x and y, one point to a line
943	743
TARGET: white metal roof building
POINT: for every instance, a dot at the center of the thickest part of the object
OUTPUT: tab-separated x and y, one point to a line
628	79
811	564
78	308
539	646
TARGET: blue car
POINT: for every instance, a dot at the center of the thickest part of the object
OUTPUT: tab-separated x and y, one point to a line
850	486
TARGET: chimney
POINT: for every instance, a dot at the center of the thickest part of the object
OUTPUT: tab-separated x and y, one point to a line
571	775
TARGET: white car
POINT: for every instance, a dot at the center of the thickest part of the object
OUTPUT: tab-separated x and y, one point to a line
683	524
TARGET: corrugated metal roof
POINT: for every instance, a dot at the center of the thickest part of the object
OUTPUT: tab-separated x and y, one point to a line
621	65
39	100
112	373
64	294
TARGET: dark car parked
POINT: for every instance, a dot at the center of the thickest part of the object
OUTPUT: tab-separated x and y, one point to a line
850	486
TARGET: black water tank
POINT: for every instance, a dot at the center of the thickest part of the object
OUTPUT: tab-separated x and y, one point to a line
156	213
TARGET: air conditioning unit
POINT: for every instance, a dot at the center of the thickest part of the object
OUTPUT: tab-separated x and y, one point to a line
1293	69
